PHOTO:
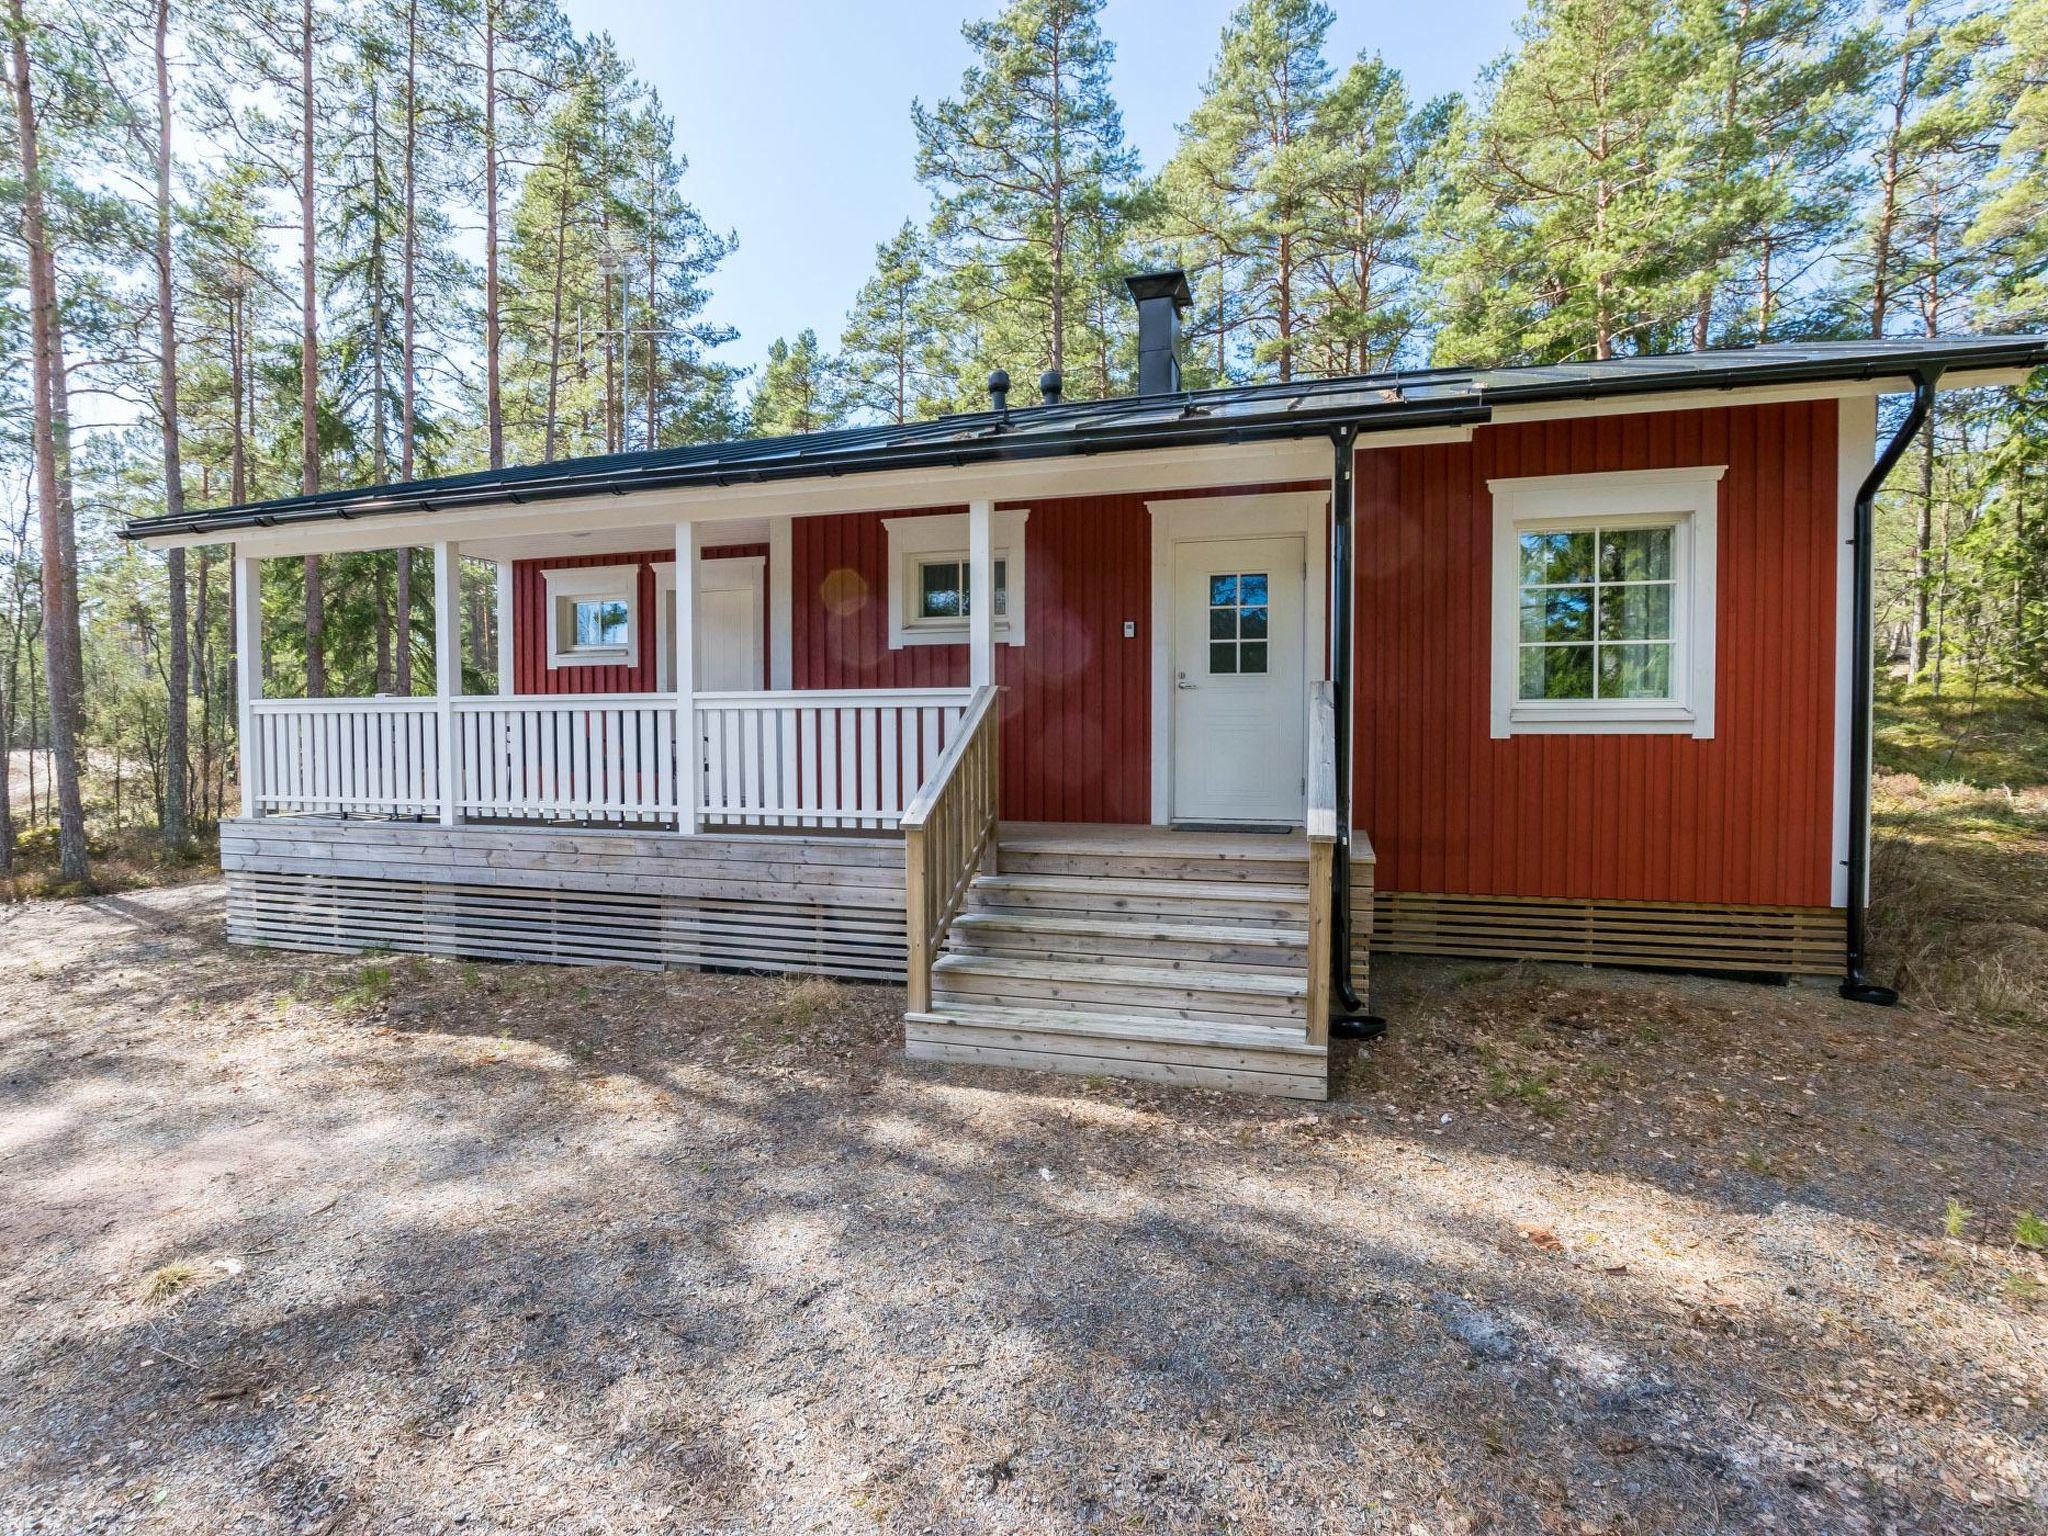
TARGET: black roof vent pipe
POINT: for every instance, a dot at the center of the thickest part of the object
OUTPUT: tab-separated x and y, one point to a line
1049	385
999	391
1160	297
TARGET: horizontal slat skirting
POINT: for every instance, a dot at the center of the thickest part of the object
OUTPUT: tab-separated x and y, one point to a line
341	913
839	873
1796	940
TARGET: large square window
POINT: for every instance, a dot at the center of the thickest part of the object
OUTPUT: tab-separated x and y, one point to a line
1604	602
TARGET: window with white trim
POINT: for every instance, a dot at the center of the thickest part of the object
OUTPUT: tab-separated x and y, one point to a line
931	593
1604	602
592	615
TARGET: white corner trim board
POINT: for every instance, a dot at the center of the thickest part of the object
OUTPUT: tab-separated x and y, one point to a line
603	581
1687	501
914	541
1856	454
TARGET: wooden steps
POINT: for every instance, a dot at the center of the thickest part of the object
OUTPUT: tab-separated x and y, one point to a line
1166	955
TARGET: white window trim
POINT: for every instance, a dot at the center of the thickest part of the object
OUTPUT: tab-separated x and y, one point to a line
1686	498
943	536
620	581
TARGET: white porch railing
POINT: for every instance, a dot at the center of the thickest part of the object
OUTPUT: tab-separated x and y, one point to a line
605	757
376	756
841	758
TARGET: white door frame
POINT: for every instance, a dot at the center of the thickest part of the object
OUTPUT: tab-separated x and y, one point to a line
1189	519
729	573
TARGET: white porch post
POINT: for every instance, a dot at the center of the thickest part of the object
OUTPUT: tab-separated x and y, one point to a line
447	664
248	669
781	637
981	594
507	686
689	746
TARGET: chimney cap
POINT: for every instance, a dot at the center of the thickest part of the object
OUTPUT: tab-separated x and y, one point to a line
1171	284
999	390
1050	385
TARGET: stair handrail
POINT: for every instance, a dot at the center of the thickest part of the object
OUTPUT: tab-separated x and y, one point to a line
1321	826
948	828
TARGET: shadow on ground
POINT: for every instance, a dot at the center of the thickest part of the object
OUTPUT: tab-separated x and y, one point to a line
389	1244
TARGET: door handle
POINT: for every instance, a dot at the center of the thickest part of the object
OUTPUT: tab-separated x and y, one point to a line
1183	682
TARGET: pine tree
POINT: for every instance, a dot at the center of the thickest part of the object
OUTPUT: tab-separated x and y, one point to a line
1933	156
2010	219
1372	166
685	395
1025	167
516	68
1562	236
1775	88
892	353
1249	159
51	447
796	391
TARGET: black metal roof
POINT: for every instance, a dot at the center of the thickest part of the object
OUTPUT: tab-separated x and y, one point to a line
1246	413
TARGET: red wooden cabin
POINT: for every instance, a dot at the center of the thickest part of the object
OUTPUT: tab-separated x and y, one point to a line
1558	662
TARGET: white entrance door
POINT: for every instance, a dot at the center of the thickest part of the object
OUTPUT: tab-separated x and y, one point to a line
729	601
1239	691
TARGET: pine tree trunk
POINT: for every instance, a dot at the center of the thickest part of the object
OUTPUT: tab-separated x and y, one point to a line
1923	556
309	357
176	828
653	341
547	452
494	410
200	670
50	423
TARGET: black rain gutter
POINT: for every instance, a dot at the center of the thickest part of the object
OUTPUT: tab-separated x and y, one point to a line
1856	985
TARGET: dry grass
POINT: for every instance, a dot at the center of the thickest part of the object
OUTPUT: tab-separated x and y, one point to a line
1959	870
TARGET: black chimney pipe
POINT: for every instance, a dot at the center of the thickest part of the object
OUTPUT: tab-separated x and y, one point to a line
1049	386
1160	297
999	392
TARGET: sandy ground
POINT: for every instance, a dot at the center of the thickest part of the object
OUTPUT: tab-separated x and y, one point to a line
310	1245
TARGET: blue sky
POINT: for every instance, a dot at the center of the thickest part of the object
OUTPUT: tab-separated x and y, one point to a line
796	117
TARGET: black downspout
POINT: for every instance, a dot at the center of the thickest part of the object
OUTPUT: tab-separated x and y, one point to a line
1350	1019
1856	986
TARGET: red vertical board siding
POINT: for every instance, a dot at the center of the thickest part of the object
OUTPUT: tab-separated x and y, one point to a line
1077	721
1744	818
530	670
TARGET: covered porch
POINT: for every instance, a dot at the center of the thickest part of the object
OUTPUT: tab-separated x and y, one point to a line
774	731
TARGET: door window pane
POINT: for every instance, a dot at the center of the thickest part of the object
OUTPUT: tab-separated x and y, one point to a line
1238	620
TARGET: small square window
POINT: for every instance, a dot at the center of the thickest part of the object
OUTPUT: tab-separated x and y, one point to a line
600	623
593	617
945	590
